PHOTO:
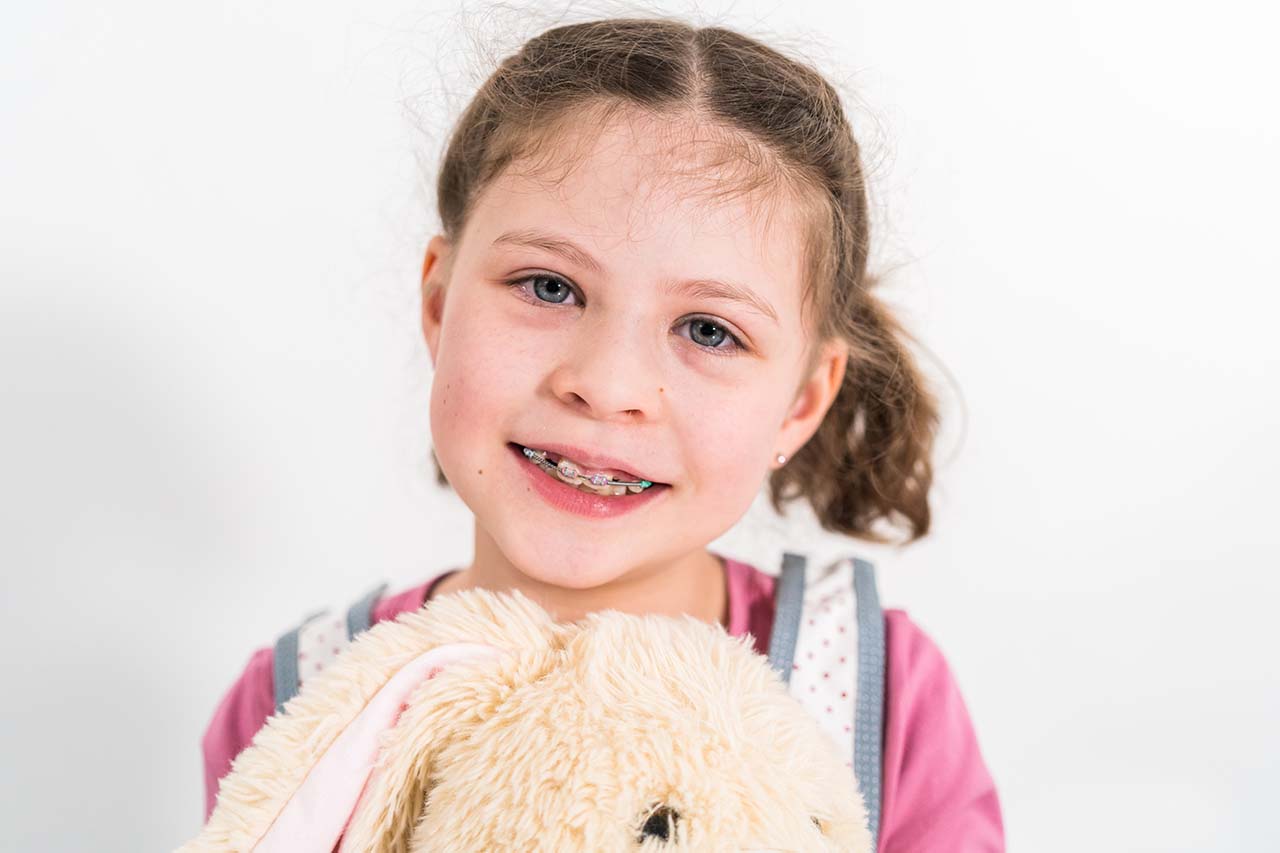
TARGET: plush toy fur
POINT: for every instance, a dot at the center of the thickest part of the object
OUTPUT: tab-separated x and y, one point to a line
572	742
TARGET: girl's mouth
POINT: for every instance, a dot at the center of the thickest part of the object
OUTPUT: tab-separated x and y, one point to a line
584	501
610	482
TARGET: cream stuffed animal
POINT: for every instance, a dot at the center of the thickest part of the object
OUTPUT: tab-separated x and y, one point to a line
478	723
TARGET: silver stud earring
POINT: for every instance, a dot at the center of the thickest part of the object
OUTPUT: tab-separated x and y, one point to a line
781	459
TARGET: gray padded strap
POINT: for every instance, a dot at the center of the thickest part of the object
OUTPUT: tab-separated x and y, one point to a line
788	605
284	663
360	614
869	714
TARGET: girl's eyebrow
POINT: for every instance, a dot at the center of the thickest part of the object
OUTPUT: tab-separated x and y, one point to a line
698	287
710	288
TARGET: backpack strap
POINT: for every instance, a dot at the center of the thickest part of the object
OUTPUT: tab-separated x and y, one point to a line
360	614
827	644
788	606
303	651
869	720
284	662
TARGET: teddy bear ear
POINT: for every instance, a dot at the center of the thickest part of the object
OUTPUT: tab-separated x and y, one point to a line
338	785
399	741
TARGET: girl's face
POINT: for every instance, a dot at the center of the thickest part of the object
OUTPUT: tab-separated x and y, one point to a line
568	317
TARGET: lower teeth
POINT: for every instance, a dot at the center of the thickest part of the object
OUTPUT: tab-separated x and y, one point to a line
611	491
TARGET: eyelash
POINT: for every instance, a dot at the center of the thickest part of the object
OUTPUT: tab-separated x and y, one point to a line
517	284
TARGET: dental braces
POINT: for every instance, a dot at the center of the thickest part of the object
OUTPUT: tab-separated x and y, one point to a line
540	459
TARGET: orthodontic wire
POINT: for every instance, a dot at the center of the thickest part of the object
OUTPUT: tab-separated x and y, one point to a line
540	459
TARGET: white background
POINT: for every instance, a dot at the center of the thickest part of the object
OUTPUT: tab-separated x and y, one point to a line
214	391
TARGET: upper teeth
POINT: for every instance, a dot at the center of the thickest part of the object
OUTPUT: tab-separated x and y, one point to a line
570	470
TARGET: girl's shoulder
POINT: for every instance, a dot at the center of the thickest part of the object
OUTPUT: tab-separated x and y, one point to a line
391	606
750	594
937	788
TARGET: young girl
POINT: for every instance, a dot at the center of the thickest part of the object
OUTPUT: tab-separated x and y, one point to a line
652	267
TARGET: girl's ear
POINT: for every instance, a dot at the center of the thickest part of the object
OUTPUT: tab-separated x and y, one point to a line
817	392
435	268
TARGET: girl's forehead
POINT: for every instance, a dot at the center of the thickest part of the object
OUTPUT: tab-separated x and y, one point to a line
637	206
635	173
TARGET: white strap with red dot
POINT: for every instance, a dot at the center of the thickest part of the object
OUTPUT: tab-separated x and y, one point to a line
824	670
320	641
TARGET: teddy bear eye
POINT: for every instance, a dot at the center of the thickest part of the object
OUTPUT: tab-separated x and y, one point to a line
661	824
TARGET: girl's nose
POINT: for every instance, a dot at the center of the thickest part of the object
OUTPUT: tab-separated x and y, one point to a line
612	371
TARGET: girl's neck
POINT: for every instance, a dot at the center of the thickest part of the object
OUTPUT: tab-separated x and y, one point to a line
695	585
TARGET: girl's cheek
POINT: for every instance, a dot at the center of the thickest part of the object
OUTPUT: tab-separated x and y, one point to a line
735	428
478	394
457	398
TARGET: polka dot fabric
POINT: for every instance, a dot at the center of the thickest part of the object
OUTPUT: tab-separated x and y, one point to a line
320	641
824	671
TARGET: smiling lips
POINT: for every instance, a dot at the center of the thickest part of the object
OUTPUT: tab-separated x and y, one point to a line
578	496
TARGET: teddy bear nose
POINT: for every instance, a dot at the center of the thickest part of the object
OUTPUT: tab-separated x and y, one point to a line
660	824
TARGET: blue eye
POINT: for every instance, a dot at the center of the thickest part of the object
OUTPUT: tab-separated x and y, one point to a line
719	333
553	290
558	289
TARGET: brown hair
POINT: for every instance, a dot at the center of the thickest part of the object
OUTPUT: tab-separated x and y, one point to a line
870	459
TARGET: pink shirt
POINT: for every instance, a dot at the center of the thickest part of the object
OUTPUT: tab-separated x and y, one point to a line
937	793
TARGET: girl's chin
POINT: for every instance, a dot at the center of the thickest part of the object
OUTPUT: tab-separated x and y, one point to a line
580	568
567	576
